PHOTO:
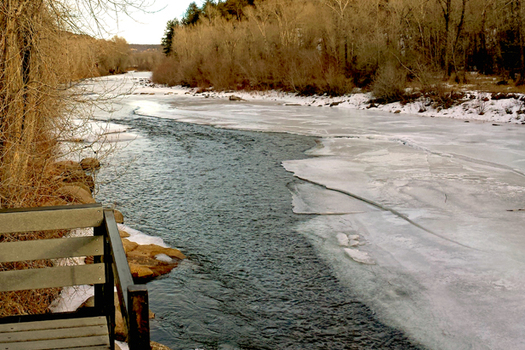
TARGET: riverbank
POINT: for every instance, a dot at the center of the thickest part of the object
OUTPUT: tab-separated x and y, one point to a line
460	102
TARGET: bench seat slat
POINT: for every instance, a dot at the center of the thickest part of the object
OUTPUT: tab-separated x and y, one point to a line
51	248
80	333
48	334
53	324
52	277
64	343
50	218
89	348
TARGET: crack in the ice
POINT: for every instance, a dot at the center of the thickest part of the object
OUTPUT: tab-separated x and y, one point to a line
462	157
383	208
441	154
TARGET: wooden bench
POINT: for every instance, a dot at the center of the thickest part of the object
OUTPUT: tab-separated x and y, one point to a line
87	328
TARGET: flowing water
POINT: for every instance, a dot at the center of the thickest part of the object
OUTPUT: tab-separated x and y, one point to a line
251	281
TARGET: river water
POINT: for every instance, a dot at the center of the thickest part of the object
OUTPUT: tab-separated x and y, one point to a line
251	280
382	219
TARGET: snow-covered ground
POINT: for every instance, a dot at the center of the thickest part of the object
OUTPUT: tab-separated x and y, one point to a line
419	215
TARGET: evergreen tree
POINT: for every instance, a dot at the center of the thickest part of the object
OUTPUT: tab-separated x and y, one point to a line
193	13
169	34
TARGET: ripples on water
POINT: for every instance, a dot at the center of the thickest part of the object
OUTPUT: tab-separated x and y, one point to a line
251	280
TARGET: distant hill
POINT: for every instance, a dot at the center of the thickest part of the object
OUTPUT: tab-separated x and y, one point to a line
144	48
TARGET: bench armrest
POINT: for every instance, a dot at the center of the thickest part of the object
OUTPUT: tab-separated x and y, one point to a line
133	298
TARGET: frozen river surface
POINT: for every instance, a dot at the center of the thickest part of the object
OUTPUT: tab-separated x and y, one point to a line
420	217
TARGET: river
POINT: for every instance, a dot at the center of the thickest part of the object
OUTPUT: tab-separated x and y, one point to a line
324	228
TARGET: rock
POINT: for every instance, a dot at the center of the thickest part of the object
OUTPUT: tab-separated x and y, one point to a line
123	234
119	218
397	111
120	329
157	346
144	270
70	172
71	177
90	164
90	302
150	250
235	98
81	185
75	194
128	245
64	166
141	273
54	202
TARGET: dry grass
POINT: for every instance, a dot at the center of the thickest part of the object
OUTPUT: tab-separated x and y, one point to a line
38	60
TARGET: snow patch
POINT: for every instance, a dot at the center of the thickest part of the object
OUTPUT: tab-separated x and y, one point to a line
359	256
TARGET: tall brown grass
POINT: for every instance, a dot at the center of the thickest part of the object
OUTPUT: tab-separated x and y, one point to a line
39	63
332	46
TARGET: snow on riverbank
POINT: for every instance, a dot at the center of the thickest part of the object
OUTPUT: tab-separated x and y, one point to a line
474	105
418	215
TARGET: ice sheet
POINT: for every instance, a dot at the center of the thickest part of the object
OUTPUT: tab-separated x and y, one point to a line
420	216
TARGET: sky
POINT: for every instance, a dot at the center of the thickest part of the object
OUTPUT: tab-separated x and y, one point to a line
148	27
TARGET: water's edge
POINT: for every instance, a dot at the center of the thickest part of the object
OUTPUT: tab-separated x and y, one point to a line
252	280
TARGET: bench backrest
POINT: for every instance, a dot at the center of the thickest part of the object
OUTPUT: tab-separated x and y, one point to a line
110	267
12	221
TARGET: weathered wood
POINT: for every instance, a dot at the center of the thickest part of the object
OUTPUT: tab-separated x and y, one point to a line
51	248
108	289
53	324
138	333
51	277
50	218
48	334
110	266
82	333
64	343
88	348
121	269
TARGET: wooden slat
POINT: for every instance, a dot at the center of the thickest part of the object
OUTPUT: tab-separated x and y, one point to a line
51	277
89	348
53	324
46	334
121	269
80	343
50	218
76	333
51	248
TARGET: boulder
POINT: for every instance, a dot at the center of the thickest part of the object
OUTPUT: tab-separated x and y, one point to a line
81	185
235	98
119	218
51	202
64	166
90	164
120	329
144	270
128	245
75	194
123	234
150	250
143	264
157	346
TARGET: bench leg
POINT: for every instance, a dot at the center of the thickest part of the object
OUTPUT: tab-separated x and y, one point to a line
138	333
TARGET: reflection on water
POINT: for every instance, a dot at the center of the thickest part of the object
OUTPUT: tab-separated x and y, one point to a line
251	280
